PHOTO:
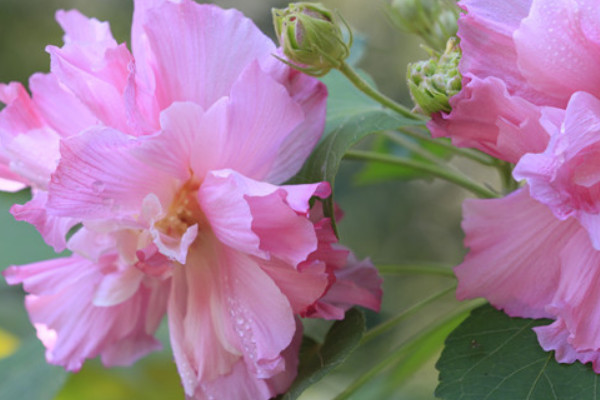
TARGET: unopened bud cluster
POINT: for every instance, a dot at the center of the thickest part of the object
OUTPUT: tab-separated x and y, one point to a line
311	37
433	20
432	82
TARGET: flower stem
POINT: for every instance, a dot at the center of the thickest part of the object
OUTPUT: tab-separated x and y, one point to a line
373	93
427	269
467	153
455	177
389	324
405	348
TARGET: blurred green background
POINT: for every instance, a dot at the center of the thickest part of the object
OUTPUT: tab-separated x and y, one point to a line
395	222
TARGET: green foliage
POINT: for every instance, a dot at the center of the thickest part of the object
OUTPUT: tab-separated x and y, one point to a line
351	116
26	375
491	356
375	172
317	360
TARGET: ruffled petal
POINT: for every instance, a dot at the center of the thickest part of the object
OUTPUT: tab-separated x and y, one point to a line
558	47
181	41
311	95
61	110
555	337
60	306
514	258
93	67
504	126
565	176
357	283
488	49
198	318
241	384
99	177
258	218
53	229
261	116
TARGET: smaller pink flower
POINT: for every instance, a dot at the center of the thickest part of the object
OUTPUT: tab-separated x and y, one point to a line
518	58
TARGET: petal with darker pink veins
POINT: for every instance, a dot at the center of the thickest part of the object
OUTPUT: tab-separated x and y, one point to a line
514	257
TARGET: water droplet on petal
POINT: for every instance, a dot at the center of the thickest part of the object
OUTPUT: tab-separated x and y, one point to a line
98	187
108	202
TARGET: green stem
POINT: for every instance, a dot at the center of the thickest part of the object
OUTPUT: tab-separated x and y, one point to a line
404	348
444	173
373	93
427	269
389	324
508	183
414	147
467	153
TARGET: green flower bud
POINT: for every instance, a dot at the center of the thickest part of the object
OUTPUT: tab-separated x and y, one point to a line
311	37
434	81
434	20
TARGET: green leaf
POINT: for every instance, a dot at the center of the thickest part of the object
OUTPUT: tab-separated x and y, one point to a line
27	375
351	116
317	360
491	356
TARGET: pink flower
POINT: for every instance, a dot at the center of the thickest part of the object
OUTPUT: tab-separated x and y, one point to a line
519	57
531	264
530	96
173	159
566	176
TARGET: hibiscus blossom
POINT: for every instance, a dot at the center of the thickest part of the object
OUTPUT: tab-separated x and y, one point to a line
530	97
519	59
172	159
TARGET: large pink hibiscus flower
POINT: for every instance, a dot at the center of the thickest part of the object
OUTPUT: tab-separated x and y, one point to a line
172	159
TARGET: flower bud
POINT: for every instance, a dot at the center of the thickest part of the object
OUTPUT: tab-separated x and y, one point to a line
434	20
311	37
434	81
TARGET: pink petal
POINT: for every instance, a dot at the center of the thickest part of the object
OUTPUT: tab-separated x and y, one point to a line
34	155
357	283
241	384
558	47
198	319
261	316
488	48
9	181
190	140
53	229
577	298
20	114
504	126
258	218
93	67
311	95
555	337
261	116
61	110
513	260
117	287
122	333
99	177
302	287
565	177
182	40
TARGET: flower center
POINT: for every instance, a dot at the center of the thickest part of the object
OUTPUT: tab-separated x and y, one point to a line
183	212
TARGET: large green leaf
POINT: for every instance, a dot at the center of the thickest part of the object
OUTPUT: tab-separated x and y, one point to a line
27	375
491	356
317	360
